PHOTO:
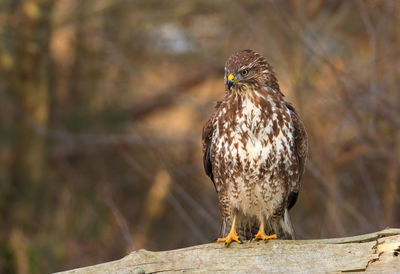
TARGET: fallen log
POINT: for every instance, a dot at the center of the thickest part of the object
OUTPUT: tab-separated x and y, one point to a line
375	252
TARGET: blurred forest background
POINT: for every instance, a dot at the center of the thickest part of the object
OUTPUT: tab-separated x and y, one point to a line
102	103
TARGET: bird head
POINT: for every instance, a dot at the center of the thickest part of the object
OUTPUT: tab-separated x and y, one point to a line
247	70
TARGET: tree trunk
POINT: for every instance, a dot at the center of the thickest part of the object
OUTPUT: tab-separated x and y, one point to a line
29	87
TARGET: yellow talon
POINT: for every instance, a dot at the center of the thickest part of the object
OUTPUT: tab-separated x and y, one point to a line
232	236
261	234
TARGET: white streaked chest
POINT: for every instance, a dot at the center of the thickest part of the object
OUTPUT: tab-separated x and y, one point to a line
252	139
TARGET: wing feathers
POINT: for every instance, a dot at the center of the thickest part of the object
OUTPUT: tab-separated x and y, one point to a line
207	138
301	139
208	131
301	146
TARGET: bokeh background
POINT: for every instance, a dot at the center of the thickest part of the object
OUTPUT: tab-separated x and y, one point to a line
102	103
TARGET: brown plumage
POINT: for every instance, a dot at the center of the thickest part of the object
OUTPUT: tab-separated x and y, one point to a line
255	148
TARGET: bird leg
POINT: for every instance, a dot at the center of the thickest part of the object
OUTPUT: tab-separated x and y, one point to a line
261	233
232	236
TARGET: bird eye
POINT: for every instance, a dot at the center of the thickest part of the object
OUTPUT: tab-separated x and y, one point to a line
244	72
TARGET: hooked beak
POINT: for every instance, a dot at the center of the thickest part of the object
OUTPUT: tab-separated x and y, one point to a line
230	81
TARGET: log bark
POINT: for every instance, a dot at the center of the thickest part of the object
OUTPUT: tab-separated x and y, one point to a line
375	252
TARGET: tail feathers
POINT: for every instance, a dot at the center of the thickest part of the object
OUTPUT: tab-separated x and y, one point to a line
282	226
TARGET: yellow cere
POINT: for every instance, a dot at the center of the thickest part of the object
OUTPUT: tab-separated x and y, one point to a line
231	77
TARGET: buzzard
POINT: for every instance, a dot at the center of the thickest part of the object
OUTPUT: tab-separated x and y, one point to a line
255	148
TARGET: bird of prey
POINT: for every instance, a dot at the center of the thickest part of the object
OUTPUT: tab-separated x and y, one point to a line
254	150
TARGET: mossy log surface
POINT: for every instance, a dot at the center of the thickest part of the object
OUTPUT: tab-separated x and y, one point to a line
375	252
